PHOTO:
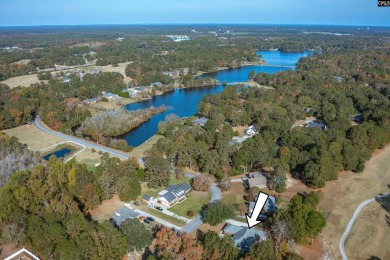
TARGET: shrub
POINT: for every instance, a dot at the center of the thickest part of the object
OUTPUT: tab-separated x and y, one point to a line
190	214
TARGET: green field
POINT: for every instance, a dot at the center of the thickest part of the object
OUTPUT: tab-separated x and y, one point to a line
194	202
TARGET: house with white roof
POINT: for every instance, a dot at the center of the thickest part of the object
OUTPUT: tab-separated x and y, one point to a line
173	194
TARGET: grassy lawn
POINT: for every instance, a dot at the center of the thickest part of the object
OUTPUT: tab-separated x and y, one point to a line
161	215
194	202
175	181
33	137
147	145
235	195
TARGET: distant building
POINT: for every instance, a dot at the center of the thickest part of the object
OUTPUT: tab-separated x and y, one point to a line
251	131
110	96
201	121
173	194
244	237
22	254
90	101
314	124
155	84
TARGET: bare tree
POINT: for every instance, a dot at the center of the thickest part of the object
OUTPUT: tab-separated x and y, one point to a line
202	182
279	231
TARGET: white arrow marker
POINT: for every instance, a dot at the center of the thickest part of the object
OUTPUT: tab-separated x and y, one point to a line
252	220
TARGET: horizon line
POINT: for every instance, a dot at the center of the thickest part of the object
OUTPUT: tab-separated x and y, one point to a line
194	24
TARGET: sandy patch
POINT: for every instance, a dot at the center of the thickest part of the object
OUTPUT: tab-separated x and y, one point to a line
107	209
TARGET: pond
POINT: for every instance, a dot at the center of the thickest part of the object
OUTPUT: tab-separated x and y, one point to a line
59	153
184	102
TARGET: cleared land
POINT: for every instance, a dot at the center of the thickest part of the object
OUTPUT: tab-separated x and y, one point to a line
33	137
147	145
339	200
25	80
98	107
107	209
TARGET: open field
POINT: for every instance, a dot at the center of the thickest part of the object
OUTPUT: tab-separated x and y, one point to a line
235	195
33	137
147	145
36	140
25	80
339	200
112	104
89	158
106	209
371	232
195	200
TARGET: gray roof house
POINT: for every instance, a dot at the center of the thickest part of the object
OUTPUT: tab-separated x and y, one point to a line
256	179
269	206
173	193
317	124
123	214
244	237
201	121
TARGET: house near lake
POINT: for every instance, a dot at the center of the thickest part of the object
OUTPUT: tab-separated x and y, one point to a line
173	194
200	121
244	237
90	101
109	96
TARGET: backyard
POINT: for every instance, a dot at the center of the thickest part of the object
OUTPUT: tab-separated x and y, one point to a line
195	201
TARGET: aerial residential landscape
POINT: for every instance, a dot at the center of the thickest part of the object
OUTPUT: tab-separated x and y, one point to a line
194	130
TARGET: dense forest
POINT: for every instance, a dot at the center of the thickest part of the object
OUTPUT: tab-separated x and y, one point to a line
15	157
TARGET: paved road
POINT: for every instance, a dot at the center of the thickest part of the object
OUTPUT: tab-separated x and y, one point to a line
215	193
79	141
350	224
197	220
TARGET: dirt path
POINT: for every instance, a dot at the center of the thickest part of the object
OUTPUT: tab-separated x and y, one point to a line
339	200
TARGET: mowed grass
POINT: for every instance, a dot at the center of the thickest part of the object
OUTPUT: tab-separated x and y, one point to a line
161	215
147	145
195	201
33	137
235	195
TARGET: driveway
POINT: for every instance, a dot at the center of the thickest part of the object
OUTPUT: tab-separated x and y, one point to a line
79	141
197	220
157	219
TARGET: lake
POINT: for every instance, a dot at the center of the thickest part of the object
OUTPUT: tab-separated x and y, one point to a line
59	153
184	102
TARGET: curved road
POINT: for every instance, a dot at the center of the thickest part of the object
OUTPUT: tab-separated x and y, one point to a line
79	141
350	224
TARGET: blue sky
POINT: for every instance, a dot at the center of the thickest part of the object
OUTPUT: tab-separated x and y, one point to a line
74	12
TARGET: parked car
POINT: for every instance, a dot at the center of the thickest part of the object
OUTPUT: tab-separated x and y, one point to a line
136	203
158	208
147	221
150	219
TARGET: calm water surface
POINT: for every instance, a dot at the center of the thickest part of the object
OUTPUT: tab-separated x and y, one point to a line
59	154
184	102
